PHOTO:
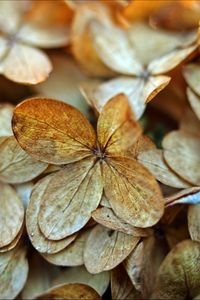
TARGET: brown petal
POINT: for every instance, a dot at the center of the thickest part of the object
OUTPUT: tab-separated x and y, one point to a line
70	198
169	61
16	166
106	217
191	73
6	111
74	291
71	255
38	240
179	273
194	222
143	144
98	282
154	161
106	248
113	47
59	133
13	243
121	132
181	152
153	86
133	192
121	286
11	215
31	65
13	272
143	263
194	102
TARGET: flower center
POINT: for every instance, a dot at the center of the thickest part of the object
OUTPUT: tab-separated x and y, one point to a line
99	154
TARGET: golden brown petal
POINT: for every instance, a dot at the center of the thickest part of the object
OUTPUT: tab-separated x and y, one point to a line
133	192
74	291
116	129
53	131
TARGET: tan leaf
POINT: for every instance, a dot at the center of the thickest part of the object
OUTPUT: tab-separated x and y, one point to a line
11	215
143	263
70	198
16	166
106	217
154	161
193	222
194	102
64	133
181	152
121	286
105	201
178	275
191	73
111	130
13	272
133	192
38	240
26	70
98	282
74	291
71	255
6	111
143	144
106	248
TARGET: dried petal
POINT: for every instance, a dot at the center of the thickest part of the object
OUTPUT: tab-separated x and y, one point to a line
38	240
179	273
181	152
105	249
26	70
169	61
191	74
121	286
74	291
186	196
106	217
13	272
59	133
154	161
11	215
194	222
194	102
70	198
143	263
113	48
6	111
16	165
133	192
71	255
120	133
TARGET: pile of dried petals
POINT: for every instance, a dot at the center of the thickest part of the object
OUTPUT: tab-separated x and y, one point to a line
99	149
